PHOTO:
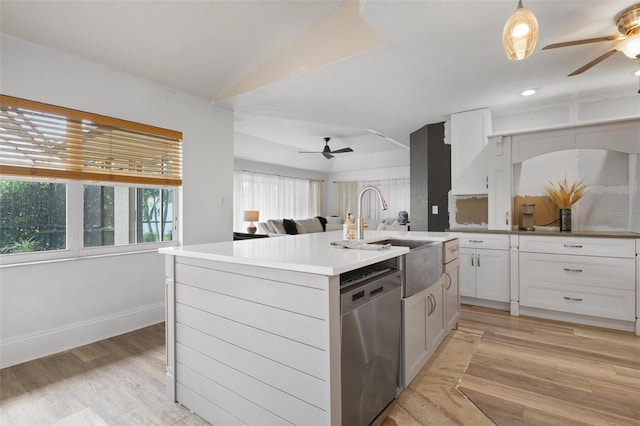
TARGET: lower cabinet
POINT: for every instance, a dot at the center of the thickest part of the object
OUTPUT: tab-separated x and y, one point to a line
594	277
451	295
423	328
484	274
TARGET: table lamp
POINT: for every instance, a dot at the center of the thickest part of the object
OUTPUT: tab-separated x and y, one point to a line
251	216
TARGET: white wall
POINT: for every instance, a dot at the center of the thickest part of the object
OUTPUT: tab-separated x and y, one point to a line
606	174
51	306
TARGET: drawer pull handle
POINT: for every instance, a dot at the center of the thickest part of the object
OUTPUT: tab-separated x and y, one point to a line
572	270
476	241
573	245
574	299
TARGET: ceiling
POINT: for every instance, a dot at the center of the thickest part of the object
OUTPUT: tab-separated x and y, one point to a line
365	74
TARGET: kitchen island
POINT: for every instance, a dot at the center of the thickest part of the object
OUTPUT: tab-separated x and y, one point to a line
253	326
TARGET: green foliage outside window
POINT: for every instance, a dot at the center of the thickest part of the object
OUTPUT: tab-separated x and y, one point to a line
32	216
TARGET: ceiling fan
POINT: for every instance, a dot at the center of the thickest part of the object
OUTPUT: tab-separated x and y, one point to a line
628	23
326	151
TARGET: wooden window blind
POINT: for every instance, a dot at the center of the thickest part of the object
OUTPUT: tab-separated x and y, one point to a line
48	141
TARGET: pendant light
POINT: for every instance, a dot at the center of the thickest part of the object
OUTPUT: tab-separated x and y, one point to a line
520	34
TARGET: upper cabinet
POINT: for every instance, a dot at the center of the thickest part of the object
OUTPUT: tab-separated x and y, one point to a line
469	172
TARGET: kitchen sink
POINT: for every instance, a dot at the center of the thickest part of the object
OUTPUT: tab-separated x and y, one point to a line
422	265
412	244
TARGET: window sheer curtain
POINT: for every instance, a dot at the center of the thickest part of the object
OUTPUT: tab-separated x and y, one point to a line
274	197
346	198
396	193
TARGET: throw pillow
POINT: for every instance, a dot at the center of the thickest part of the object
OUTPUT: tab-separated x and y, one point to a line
323	222
290	226
277	226
306	226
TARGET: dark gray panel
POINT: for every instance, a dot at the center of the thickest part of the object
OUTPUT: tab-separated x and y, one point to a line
419	179
438	177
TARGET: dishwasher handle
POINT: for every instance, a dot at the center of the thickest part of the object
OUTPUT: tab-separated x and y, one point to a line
358	295
376	291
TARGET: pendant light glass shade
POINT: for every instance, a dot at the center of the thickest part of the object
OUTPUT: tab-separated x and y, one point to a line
520	34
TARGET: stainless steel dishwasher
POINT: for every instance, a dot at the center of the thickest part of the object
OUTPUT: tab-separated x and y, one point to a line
371	321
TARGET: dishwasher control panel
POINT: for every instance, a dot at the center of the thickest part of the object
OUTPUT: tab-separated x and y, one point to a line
364	289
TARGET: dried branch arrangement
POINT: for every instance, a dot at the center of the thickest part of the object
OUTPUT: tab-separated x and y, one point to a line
565	194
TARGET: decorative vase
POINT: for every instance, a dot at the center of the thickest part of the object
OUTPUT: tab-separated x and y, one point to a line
565	220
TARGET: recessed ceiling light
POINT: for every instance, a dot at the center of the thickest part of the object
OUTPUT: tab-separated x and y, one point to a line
528	92
637	73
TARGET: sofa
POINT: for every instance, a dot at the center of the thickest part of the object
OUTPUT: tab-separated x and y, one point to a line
276	227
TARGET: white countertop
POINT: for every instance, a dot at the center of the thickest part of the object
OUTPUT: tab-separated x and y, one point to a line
310	253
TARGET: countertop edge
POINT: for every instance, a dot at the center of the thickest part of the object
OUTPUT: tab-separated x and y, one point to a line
594	234
378	256
230	252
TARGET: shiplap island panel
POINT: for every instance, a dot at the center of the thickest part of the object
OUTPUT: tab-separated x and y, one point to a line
253	326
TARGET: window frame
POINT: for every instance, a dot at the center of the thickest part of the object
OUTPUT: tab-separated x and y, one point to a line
75	226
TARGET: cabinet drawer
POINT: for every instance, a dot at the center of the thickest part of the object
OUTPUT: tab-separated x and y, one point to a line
485	241
582	246
450	250
576	299
587	271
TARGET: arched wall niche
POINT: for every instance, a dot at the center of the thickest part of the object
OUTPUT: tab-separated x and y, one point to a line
606	172
619	142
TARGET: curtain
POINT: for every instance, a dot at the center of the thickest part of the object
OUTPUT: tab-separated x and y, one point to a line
274	197
345	198
396	193
315	198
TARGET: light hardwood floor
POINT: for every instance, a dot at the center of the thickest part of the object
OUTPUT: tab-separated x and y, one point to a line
118	381
505	370
518	370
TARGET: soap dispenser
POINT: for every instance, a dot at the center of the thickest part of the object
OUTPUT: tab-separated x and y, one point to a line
349	228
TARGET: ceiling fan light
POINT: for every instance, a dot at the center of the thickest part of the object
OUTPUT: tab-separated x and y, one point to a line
630	46
520	34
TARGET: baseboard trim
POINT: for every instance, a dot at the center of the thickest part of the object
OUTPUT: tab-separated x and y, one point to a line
26	348
493	304
578	319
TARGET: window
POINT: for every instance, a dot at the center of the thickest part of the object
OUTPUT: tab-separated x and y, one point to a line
116	215
396	193
74	182
275	197
32	216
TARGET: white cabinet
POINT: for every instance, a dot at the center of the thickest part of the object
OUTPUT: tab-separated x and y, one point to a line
500	200
594	277
423	328
484	267
435	320
638	287
451	294
586	285
469	132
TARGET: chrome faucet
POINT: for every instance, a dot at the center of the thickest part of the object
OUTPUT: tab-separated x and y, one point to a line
360	225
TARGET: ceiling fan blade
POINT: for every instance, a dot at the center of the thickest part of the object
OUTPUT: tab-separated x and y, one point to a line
309	152
340	151
327	155
594	62
585	41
